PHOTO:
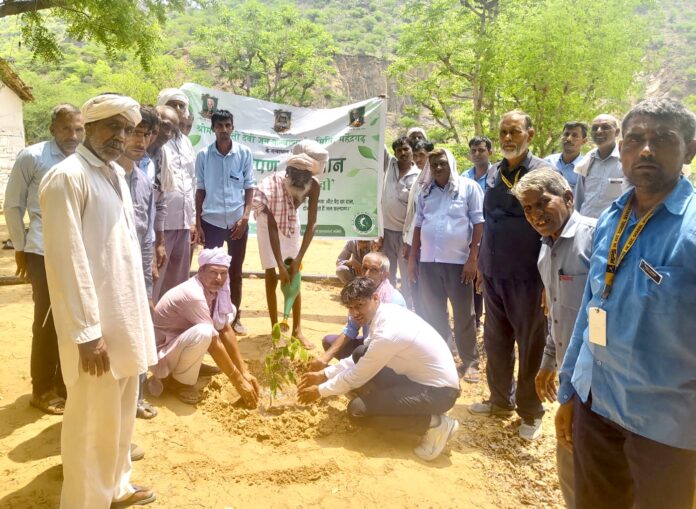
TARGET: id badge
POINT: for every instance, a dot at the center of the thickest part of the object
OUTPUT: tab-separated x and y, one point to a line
598	326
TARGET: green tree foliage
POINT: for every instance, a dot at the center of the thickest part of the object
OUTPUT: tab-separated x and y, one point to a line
271	53
468	61
114	24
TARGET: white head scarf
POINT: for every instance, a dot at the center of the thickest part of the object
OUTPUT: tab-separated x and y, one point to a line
172	94
109	105
313	149
429	180
416	130
223	301
305	162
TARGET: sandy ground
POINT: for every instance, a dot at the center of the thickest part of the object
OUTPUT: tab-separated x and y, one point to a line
218	456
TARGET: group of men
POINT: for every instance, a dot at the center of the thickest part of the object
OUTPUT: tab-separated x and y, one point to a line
118	197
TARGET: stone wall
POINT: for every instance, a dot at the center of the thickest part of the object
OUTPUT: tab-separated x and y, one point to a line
11	134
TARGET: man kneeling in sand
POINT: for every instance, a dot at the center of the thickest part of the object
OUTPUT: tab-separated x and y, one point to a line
193	318
404	373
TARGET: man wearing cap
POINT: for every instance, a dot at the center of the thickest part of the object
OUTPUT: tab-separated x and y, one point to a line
275	205
178	183
196	317
100	307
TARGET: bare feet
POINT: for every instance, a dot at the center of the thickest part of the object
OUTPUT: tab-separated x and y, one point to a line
305	342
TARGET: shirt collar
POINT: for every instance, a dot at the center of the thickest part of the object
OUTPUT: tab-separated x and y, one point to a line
55	149
213	146
676	201
524	164
614	153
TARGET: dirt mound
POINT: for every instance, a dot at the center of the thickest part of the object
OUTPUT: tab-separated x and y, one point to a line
303	474
284	422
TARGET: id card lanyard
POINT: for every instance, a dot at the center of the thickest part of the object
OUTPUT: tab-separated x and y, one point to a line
615	257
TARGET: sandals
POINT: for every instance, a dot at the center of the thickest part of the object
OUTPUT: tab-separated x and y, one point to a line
471	375
186	393
141	496
145	410
49	403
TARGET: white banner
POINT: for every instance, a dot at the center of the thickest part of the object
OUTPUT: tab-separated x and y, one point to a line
353	136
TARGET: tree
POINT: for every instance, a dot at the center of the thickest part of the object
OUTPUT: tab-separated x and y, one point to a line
467	61
269	53
115	24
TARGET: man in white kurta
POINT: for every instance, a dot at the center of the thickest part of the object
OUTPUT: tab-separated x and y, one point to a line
100	308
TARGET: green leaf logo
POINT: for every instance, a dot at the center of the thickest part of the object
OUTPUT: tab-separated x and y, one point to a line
195	138
353	172
366	152
375	120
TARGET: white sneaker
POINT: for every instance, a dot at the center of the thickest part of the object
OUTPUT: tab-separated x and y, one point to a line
530	430
436	438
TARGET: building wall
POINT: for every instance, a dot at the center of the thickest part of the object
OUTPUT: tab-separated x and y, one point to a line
11	134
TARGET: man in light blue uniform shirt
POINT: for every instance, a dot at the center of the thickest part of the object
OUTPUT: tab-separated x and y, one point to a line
22	195
573	138
628	381
480	151
224	190
600	178
446	239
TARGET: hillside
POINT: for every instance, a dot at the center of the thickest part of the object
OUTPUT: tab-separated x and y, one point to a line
365	35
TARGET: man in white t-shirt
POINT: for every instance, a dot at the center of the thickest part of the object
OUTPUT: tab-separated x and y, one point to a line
404	374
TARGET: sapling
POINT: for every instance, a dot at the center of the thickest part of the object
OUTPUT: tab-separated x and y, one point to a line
279	363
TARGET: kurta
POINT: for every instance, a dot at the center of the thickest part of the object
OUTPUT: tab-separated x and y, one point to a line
93	265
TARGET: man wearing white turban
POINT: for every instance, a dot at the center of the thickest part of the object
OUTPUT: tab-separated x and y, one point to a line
178	183
196	317
275	205
100	307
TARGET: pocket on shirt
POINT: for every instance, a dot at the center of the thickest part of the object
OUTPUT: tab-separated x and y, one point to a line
570	290
675	294
457	209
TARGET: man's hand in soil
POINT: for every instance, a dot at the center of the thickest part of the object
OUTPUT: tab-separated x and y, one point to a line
246	390
93	357
564	424
254	383
545	385
308	394
313	378
316	364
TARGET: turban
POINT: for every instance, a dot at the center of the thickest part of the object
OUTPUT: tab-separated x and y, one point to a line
416	130
172	94
109	105
305	162
313	149
223	302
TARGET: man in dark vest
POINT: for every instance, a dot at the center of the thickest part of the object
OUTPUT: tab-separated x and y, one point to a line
512	287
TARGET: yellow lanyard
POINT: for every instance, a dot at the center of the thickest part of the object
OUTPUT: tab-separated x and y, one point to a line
615	258
507	182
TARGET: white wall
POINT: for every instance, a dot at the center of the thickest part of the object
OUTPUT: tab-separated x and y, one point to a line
11	134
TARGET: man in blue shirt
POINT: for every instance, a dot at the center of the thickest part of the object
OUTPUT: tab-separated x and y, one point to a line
444	255
628	381
224	190
22	195
573	138
480	151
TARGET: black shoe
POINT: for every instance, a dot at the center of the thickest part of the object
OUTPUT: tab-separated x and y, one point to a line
207	370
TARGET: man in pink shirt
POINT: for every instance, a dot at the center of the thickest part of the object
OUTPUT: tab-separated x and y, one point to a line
193	318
